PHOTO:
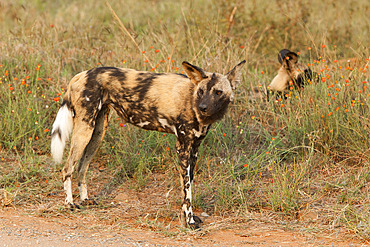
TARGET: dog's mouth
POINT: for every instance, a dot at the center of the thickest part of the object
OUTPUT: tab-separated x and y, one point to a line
204	113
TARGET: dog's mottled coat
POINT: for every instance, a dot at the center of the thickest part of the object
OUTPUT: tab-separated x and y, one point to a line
173	103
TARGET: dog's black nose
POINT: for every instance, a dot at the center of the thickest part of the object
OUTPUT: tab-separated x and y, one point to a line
203	107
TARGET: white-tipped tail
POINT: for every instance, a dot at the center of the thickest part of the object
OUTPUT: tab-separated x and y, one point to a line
62	129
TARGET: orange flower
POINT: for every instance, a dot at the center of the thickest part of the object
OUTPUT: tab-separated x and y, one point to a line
245	165
157	51
56	99
46	130
224	134
11	88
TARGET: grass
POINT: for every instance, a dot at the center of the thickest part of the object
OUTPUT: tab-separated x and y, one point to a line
309	151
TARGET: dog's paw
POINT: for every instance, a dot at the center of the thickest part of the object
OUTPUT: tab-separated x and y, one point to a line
72	206
88	202
195	223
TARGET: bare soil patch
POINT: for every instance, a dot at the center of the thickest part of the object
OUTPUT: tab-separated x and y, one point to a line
149	217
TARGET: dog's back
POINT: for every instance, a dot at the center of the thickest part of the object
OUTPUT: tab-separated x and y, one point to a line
141	98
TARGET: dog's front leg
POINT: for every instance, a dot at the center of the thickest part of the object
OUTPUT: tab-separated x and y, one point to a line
187	151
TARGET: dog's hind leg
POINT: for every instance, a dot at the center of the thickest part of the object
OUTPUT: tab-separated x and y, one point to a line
82	133
101	125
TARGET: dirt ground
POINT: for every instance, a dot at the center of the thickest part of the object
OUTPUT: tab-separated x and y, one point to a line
149	218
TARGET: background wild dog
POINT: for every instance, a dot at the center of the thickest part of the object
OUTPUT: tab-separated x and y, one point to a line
182	105
291	73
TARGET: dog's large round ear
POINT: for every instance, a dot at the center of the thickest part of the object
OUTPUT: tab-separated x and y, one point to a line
282	55
288	59
292	57
195	73
234	75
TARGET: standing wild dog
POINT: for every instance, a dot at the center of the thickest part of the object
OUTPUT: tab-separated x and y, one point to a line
182	105
291	73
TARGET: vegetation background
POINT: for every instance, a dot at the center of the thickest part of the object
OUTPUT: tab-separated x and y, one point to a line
306	153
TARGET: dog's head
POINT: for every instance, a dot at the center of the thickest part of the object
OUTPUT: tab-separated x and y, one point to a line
213	92
290	71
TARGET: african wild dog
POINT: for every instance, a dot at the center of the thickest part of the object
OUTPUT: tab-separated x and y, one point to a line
182	105
290	74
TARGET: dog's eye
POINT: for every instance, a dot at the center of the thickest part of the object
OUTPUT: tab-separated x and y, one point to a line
218	92
200	91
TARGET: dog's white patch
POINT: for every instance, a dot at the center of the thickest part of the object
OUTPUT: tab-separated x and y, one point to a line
197	133
68	190
83	192
87	98
142	124
165	124
99	107
63	124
